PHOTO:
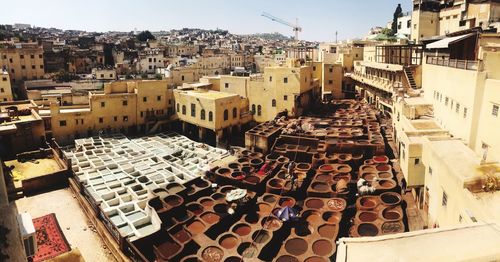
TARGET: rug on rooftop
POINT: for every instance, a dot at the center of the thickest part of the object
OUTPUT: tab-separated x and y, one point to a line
49	238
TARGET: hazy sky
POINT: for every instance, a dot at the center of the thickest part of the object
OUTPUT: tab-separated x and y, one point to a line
319	18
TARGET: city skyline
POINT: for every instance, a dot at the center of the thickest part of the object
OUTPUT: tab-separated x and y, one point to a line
319	21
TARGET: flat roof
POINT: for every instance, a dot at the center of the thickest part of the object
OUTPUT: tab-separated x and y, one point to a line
415	101
382	66
473	242
207	94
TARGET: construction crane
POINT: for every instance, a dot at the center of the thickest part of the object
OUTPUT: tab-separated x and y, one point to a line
296	28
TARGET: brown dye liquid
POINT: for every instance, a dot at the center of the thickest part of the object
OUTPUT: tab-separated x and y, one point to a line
322	248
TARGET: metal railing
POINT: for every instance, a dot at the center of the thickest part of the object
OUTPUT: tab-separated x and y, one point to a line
453	63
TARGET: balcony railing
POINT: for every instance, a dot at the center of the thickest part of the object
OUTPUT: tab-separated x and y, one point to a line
453	63
377	82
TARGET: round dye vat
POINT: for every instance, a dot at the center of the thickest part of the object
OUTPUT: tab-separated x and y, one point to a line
387	184
192	258
168	249
221	208
286	201
390	198
326	168
368	202
155	203
275	183
206	202
242	160
337	204
226	189
223	171
287	258
264	208
196	227
238	175
332	217
303	166
182	235
252	218
212	254
369	176
296	246
344	169
242	229
323	177
385	175
383	168
271	223
210	218
391	214
322	247
320	186
234	166
328	231
261	236
367	230
315	203
195	208
380	159
269	198
201	183
217	196
233	259
173	200
248	250
313	217
228	241
367	216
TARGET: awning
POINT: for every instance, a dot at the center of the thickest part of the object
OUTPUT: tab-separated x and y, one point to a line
445	43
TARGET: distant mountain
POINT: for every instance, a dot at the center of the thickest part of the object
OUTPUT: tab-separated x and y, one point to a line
271	36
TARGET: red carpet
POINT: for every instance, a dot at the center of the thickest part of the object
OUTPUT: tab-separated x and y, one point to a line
49	237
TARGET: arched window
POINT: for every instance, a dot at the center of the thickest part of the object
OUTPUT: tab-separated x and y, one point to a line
226	115
178	107
183	109
210	116
273	103
259	110
253	109
202	114
235	112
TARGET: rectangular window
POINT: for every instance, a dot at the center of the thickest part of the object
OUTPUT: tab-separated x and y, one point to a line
193	110
23	67
62	123
285	98
142	113
21	56
76	120
285	80
457	109
103	104
446	101
465	112
445	199
158	98
417	161
145	99
124	102
2	90
314	68
270	79
32	56
4	79
494	111
226	85
33	67
40	56
41	66
115	118
125	118
330	82
430	171
101	120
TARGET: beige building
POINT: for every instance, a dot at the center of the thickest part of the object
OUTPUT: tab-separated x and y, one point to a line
5	87
447	140
23	61
211	110
103	74
124	106
149	60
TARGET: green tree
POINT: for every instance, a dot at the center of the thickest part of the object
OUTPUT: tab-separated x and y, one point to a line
145	36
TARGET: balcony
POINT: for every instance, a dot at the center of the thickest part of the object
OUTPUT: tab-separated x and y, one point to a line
453	63
376	82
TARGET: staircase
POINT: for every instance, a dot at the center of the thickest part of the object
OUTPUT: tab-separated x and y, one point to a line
409	77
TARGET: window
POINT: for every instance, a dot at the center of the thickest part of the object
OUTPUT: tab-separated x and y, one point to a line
202	114
285	98
158	98
125	118
457	109
193	110
76	121
253	109
494	111
145	99
23	67
273	103
445	199
330	69
182	78
178	107
430	171
270	79
101	120
183	109
21	56
210	116
285	80
41	66
62	123
142	113
226	85
33	67
465	112
446	101
111	75
2	90
226	115
314	68
115	118
235	112
103	104
330	82
417	161
102	75
4	78
124	102
259	110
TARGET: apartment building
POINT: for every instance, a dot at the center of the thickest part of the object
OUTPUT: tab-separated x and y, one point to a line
23	61
219	112
5	87
448	147
104	74
149	60
431	18
124	106
387	70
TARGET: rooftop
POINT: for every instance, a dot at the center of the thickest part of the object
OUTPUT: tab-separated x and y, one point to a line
212	95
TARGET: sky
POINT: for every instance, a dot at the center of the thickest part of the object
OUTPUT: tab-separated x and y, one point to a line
318	18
